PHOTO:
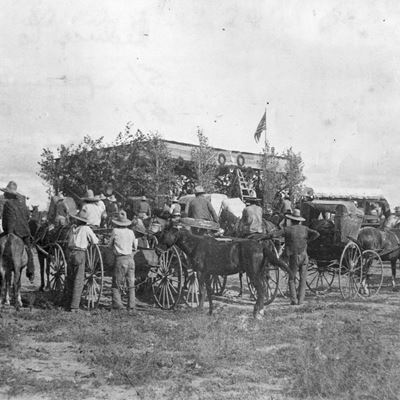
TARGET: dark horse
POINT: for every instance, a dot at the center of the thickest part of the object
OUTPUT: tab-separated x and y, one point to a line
385	241
209	257
13	258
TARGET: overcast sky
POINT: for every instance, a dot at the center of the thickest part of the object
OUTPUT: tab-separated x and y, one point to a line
329	69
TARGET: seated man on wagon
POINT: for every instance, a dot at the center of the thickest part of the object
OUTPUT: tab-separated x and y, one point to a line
251	222
92	209
393	220
201	208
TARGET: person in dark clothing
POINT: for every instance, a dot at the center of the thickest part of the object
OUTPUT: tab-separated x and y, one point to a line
296	238
201	208
15	220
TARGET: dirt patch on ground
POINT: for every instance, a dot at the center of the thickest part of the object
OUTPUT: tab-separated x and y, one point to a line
47	353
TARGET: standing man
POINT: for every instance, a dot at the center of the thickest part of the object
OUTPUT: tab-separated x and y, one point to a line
123	242
144	210
80	237
15	220
296	238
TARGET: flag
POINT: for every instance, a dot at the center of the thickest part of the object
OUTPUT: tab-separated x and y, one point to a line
262	126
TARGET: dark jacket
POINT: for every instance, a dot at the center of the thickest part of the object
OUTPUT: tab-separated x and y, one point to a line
201	208
297	237
15	218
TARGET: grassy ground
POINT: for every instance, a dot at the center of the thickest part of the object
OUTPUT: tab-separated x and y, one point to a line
325	349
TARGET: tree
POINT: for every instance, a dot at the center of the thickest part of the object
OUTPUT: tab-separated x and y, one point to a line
205	167
135	163
275	179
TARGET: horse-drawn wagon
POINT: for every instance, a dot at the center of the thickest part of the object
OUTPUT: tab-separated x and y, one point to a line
337	252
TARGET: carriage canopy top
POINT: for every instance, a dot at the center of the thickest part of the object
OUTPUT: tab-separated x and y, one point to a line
345	216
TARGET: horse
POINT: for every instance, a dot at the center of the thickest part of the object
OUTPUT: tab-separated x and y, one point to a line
209	257
385	241
230	224
13	258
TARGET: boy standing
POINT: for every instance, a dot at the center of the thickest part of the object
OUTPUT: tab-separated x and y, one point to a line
81	235
123	242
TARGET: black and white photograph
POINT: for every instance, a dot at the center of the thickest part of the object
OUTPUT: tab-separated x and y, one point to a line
199	200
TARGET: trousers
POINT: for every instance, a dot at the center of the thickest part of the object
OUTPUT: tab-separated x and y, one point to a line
75	279
298	263
123	277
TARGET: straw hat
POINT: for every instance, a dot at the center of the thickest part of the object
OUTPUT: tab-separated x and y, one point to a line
139	229
174	200
122	219
295	215
143	198
112	199
102	197
81	216
90	197
11	188
199	190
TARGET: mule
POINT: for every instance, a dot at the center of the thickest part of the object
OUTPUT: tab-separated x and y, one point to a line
210	257
386	242
13	259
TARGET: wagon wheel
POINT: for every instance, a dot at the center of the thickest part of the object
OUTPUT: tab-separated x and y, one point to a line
167	279
94	274
271	280
57	266
371	273
350	270
218	284
320	277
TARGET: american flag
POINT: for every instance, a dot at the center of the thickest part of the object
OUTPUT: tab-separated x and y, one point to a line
262	126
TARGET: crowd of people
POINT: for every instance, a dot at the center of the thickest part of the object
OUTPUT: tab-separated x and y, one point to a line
103	210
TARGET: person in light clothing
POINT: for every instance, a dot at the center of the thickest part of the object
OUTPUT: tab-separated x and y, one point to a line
92	209
80	237
122	242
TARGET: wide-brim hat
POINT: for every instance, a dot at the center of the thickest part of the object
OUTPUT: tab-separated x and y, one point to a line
11	188
296	216
122	219
144	198
89	196
102	197
139	229
199	190
174	200
80	216
112	198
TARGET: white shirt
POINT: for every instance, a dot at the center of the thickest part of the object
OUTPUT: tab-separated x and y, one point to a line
122	241
93	213
81	236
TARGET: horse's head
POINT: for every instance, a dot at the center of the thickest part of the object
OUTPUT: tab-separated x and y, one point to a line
169	236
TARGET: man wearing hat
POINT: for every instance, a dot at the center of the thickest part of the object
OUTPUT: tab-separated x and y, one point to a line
15	220
144	209
91	208
201	208
175	209
80	237
251	221
296	238
122	242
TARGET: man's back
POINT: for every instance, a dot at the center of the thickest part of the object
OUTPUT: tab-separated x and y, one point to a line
201	208
15	218
252	219
296	238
